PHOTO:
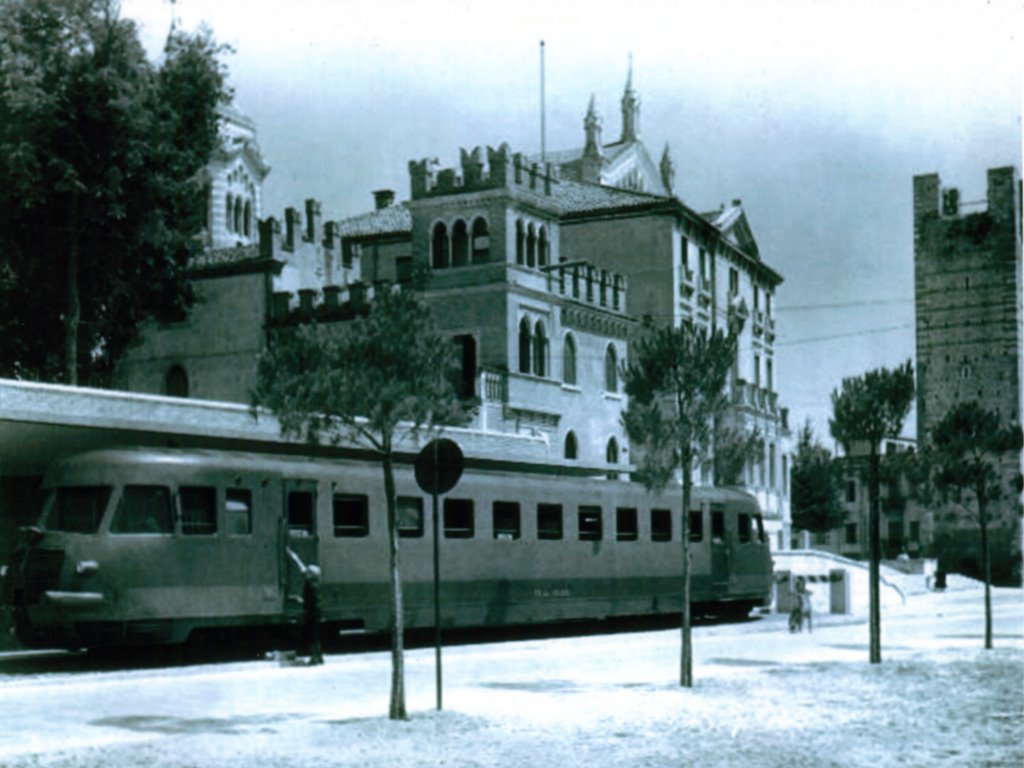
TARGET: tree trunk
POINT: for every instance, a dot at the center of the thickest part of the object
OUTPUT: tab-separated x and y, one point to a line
686	659
396	710
986	564
72	316
876	557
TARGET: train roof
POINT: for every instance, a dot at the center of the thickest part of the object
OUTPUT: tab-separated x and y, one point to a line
286	464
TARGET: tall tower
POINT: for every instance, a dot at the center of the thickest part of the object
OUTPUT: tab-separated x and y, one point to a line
235	178
968	301
630	108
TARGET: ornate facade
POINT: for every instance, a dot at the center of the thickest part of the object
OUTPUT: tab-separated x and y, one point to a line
538	271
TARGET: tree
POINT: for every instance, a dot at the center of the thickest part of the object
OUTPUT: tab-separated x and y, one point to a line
866	410
676	382
368	382
101	191
815	493
734	449
965	449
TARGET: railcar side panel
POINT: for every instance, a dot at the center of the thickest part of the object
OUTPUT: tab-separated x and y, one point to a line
513	549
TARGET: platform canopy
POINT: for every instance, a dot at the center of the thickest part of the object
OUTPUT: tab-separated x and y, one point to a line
40	423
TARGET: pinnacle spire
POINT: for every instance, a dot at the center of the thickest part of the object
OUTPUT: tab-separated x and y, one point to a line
630	108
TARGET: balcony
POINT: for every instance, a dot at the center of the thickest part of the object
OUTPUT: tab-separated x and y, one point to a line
759	322
755	398
704	292
687	284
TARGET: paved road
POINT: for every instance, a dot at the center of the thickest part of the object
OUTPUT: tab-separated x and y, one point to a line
57	703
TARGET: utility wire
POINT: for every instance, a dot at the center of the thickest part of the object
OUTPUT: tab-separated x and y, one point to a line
833	337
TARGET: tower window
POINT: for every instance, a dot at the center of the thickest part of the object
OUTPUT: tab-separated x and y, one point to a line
611	370
460	244
524	346
571	449
569	360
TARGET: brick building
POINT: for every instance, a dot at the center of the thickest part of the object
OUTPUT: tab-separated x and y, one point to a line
968	298
539	268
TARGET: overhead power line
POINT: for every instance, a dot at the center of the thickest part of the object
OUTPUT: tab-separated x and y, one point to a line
841	304
833	337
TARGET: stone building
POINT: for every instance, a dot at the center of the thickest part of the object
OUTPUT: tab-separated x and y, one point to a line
968	298
538	270
906	526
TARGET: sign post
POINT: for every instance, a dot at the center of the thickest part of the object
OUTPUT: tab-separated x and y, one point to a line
438	468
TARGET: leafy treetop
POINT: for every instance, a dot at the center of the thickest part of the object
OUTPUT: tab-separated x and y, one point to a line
871	407
379	373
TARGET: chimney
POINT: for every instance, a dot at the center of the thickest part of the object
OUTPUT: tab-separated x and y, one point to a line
291	219
383	198
312	220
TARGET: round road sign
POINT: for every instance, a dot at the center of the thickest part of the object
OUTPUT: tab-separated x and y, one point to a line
439	466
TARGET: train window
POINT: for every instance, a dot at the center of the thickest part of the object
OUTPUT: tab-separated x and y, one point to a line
626	526
351	516
143	509
760	528
76	509
661	525
198	510
238	511
300	512
506	520
717	524
743	528
458	518
549	521
410	517
696	526
590	523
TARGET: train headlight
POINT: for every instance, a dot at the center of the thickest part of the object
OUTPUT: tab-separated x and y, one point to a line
86	567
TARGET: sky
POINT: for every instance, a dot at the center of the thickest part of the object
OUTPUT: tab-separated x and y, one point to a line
816	115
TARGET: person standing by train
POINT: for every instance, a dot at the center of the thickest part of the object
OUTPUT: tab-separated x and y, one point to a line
310	640
311	615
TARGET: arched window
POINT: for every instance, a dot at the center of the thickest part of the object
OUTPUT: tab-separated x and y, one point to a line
611	455
524	346
540	350
569	360
247	219
520	242
176	382
229	212
460	244
611	370
612	452
542	249
238	215
439	246
531	247
481	241
571	449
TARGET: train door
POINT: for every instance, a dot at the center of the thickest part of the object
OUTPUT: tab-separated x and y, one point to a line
299	535
719	550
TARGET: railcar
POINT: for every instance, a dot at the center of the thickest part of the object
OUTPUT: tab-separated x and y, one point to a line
140	546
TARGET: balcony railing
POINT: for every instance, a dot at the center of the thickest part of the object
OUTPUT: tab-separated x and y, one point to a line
748	395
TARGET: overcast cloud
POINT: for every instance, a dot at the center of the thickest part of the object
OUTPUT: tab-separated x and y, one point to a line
816	114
